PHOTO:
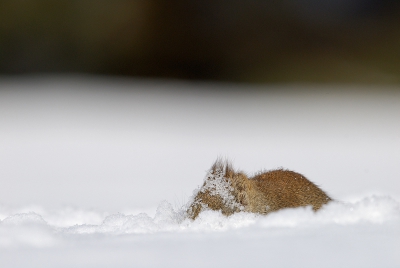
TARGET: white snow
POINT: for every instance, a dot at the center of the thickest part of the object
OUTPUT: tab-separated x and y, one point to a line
85	163
364	233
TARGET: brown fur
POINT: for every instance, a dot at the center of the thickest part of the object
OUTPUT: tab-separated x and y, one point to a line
264	193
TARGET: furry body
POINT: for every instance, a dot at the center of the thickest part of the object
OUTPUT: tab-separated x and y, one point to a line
230	191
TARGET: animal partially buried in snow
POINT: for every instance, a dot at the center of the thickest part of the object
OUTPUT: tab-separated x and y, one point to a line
232	191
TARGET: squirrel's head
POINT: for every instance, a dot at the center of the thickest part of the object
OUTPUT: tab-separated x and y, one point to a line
218	192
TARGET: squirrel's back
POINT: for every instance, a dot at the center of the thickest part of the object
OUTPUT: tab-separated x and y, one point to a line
289	189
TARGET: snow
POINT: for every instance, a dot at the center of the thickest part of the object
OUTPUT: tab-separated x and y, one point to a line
86	163
364	233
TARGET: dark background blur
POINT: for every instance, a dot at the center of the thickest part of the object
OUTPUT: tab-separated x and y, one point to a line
257	41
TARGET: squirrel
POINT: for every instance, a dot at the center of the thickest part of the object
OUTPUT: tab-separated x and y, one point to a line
232	191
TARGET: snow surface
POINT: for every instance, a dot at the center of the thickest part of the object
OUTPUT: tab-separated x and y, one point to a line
86	163
364	233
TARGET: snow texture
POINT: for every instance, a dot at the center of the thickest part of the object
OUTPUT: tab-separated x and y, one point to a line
364	233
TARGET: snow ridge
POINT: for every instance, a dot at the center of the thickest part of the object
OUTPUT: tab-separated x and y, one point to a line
375	210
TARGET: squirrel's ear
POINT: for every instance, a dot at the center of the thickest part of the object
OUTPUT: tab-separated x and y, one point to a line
224	166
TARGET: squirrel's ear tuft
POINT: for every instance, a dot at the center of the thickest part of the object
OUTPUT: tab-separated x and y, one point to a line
224	166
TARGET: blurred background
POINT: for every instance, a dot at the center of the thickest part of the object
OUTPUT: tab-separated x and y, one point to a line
123	103
255	41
